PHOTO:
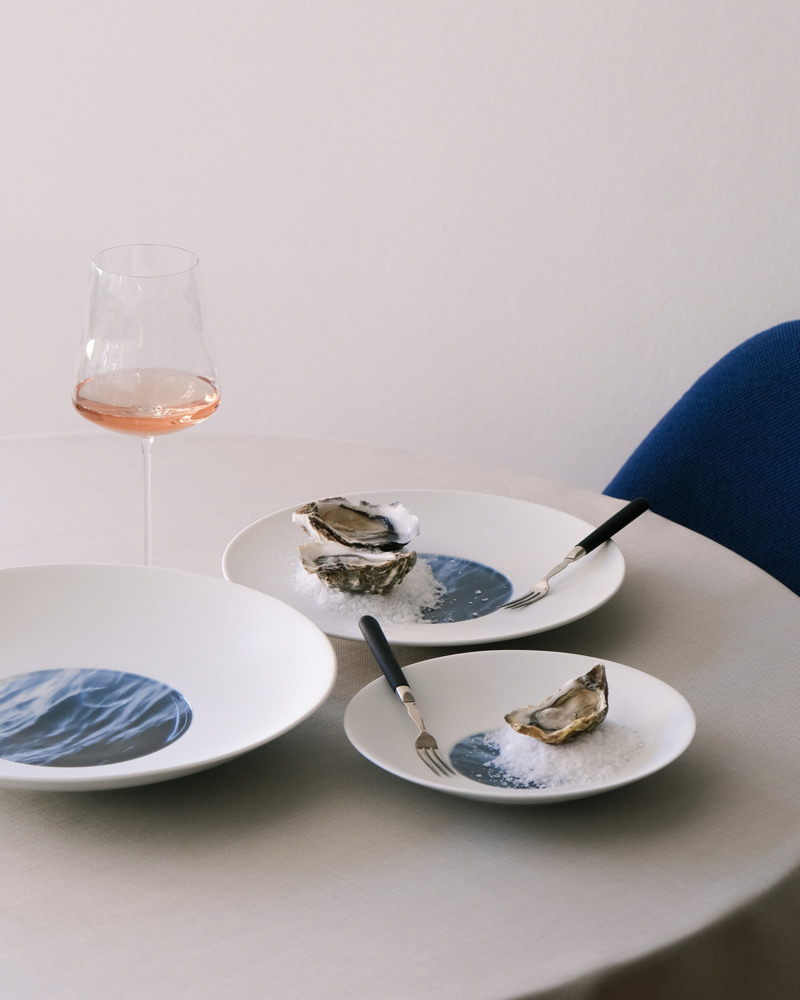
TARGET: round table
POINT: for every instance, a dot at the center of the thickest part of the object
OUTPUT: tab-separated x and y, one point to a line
301	869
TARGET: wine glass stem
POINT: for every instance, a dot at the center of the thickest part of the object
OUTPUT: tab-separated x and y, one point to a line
147	447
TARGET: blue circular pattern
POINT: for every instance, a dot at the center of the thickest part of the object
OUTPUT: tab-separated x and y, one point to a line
473	590
472	757
82	718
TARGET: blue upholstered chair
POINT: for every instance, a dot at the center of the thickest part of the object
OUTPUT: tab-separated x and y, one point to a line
725	460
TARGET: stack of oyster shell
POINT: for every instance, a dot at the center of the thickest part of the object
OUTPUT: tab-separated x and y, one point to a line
357	547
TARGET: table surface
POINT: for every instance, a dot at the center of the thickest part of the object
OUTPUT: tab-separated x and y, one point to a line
301	869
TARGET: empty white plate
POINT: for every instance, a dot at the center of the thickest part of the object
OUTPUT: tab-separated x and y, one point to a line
124	675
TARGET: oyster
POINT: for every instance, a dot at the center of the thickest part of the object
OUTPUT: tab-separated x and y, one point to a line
578	706
363	525
358	547
363	572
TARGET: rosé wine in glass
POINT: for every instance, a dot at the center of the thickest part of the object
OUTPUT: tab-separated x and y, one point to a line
143	366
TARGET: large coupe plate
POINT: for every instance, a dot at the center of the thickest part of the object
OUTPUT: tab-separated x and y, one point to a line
515	542
122	675
466	694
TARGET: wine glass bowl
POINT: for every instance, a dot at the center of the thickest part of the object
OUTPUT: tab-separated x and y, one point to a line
144	367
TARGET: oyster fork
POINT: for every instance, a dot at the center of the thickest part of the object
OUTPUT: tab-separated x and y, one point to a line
426	746
602	534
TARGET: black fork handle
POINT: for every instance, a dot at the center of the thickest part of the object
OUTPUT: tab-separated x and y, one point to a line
379	646
614	524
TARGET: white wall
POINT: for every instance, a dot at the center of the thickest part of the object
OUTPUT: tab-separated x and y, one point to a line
512	229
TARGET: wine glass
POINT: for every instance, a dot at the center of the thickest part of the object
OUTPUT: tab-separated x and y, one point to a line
143	366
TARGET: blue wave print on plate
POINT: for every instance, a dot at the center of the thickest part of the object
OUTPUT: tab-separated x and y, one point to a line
472	757
82	718
473	590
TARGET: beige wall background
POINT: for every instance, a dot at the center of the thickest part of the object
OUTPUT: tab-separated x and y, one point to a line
510	229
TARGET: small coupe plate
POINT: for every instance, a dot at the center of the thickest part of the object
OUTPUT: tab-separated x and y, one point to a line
467	694
498	546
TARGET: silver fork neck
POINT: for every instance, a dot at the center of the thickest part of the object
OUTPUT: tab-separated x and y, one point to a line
570	557
403	692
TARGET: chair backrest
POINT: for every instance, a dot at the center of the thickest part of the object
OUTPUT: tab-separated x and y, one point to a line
725	460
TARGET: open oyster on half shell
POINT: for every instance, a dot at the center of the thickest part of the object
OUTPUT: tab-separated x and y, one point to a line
357	547
578	706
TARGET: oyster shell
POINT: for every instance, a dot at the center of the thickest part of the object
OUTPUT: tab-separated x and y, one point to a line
362	525
352	572
358	547
578	706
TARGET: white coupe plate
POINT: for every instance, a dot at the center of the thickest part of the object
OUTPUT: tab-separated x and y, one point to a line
516	540
470	693
122	675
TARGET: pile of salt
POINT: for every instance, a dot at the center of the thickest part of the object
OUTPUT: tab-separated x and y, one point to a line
590	757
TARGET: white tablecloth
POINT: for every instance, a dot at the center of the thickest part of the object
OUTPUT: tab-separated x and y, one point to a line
301	869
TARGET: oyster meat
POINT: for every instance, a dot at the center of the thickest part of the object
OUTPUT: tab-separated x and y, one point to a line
358	547
362	525
578	706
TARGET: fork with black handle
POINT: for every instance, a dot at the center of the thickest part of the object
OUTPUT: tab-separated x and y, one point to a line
602	534
426	746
